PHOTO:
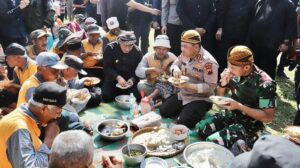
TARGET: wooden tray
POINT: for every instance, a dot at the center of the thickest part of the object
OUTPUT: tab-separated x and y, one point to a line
168	153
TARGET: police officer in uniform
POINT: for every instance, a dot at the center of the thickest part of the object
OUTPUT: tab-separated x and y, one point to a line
191	104
252	102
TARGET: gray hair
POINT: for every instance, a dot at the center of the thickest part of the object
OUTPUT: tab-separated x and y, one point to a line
72	149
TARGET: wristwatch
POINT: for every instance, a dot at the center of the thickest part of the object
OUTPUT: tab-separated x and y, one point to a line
221	86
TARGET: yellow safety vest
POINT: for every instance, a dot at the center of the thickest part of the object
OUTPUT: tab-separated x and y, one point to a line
29	83
11	123
90	62
25	73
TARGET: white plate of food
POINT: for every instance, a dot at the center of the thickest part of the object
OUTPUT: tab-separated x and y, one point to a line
128	85
158	142
182	79
90	81
220	100
293	133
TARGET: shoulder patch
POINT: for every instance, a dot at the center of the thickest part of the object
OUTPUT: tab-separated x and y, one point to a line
208	68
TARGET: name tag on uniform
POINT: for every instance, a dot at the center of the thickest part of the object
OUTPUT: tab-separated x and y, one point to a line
197	69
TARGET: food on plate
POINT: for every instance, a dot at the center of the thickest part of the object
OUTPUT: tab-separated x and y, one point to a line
293	133
74	95
219	100
134	153
128	85
179	132
180	80
154	140
90	81
115	130
202	159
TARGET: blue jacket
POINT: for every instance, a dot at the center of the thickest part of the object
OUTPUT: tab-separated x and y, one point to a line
12	23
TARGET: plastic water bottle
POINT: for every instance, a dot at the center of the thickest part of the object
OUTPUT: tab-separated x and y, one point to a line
132	102
145	105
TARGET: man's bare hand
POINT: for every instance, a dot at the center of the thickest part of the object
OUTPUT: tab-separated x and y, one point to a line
51	131
111	162
24	4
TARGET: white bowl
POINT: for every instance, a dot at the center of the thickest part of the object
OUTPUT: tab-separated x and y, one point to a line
154	162
123	101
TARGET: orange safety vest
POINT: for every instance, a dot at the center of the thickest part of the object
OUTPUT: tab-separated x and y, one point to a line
11	123
110	37
25	73
90	62
29	83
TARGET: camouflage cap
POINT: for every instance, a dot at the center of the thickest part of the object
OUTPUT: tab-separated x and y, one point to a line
38	33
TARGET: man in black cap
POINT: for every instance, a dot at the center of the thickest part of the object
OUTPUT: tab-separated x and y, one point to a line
73	44
20	144
58	47
92	51
17	58
70	79
120	60
24	67
272	152
70	74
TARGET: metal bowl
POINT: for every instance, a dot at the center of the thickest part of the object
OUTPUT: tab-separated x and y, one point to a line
106	127
123	101
198	153
133	161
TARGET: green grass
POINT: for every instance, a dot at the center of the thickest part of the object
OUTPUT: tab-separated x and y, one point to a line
286	105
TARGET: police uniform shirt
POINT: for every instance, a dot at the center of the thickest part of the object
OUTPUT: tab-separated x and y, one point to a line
203	71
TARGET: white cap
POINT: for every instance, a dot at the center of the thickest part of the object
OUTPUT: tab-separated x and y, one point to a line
112	23
89	21
162	41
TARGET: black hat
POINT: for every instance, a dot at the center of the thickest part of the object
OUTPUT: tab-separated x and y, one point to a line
74	38
15	49
50	93
76	63
272	152
80	17
93	29
63	33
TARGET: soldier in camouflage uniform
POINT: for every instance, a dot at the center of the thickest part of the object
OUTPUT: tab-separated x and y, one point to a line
252	103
